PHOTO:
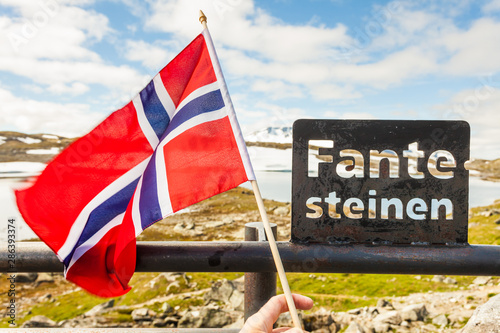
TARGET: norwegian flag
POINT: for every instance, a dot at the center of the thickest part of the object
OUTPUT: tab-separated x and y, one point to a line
176	143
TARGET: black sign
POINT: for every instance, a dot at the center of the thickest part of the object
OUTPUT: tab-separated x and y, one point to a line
380	181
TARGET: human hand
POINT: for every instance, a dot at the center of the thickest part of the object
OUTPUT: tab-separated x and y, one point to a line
262	321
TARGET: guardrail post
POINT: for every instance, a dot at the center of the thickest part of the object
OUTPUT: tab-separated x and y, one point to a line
259	287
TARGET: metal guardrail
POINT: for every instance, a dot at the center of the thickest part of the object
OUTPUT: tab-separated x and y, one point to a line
245	256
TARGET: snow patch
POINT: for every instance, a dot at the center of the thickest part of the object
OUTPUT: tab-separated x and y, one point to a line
2	140
51	151
28	140
271	134
50	136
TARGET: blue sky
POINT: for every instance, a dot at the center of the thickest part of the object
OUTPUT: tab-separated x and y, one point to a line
67	64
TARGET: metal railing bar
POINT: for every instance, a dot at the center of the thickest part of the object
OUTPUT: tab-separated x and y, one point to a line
256	257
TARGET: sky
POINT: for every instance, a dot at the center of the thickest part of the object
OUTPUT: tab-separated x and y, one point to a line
67	64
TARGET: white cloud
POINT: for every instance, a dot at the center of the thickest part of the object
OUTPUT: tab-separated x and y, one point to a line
357	115
395	68
76	88
252	43
277	89
400	42
32	116
475	51
33	88
479	107
348	115
55	53
244	27
52	32
326	91
122	78
150	55
492	6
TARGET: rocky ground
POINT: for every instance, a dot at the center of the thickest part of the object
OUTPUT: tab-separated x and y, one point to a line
222	306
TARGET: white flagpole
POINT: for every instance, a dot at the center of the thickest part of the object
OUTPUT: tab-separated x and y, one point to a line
276	256
269	233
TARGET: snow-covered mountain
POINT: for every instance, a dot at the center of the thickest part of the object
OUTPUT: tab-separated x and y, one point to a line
271	134
270	148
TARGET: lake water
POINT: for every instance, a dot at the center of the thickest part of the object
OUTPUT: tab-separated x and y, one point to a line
273	185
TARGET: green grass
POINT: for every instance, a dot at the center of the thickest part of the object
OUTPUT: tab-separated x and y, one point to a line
341	292
64	307
483	229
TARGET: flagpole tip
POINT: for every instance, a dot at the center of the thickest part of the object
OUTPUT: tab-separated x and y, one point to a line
203	18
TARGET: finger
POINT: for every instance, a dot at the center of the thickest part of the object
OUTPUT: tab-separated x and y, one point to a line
272	309
288	330
302	302
269	313
277	305
263	320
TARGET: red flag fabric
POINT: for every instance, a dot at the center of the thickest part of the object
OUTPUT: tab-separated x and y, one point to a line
176	143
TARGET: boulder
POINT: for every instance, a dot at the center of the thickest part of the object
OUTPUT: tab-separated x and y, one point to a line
390	317
240	321
485	318
481	280
206	317
438	278
281	211
26	277
284	320
227	292
381	327
159	322
45	298
382	303
356	311
166	308
237	300
79	322
39	321
220	291
449	280
440	320
187	228
43	278
143	314
318	320
414	312
99	309
355	327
